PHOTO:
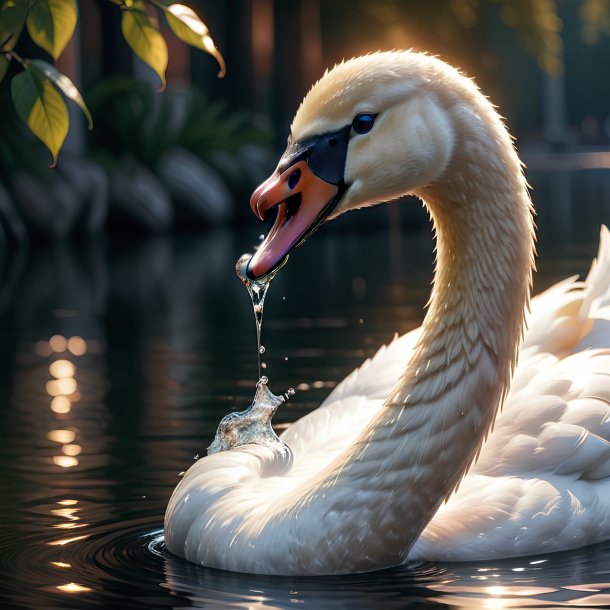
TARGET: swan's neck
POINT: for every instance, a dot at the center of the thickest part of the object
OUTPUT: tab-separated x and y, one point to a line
432	425
482	217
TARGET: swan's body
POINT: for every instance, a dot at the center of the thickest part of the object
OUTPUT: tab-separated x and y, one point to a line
374	464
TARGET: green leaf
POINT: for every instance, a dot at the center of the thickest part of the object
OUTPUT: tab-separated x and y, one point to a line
3	66
12	18
144	38
63	83
51	24
41	108
187	25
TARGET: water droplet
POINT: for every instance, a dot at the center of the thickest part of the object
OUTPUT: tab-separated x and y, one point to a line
283	298
361	321
291	392
264	380
181	474
261	237
261	349
285	358
263	365
196	457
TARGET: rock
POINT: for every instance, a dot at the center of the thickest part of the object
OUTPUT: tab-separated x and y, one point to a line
137	192
50	205
58	201
195	185
90	182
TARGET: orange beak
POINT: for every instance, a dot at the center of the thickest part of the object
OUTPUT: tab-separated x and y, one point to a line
302	199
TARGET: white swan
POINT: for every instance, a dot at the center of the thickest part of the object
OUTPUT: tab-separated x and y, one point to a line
373	465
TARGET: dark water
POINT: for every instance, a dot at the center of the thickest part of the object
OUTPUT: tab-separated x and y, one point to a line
155	342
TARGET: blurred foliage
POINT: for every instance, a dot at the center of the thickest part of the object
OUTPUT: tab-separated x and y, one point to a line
132	120
37	90
536	21
595	16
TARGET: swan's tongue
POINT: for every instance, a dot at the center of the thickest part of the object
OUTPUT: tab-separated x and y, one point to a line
302	199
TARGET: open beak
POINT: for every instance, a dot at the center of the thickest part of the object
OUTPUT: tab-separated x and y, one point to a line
302	200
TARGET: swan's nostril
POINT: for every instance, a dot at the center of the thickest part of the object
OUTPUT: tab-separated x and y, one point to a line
294	178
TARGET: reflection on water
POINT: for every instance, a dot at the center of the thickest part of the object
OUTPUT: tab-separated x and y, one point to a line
118	361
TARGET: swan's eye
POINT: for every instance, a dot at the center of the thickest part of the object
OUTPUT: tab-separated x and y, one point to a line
363	123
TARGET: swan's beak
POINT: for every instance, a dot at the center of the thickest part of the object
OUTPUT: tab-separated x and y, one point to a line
301	199
305	187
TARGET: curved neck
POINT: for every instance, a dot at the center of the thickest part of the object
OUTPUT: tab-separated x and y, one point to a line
433	423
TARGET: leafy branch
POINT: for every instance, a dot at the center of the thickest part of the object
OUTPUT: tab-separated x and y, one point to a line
39	90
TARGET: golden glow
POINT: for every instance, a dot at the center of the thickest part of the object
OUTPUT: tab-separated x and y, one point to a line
57	387
65	461
61	436
72	449
64	541
72	587
77	345
43	349
61	368
61	404
58	343
67	502
60	564
68	526
495	591
67	513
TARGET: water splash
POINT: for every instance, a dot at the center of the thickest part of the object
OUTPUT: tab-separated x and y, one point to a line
254	424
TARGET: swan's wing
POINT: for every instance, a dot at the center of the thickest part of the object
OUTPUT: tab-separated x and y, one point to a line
573	315
351	405
542	480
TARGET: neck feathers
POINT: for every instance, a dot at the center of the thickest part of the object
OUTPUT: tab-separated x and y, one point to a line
482	216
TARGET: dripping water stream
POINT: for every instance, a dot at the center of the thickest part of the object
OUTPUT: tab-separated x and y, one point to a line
257	289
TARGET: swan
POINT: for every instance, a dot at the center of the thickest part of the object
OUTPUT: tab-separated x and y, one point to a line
403	461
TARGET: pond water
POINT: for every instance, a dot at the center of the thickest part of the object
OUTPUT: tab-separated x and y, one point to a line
118	360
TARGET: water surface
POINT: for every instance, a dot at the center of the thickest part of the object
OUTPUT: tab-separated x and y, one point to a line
162	346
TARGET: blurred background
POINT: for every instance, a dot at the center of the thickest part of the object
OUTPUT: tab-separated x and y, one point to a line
187	159
125	332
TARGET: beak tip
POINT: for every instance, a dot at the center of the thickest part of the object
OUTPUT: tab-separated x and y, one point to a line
254	205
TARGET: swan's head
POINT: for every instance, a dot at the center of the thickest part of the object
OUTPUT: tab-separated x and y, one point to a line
371	129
